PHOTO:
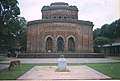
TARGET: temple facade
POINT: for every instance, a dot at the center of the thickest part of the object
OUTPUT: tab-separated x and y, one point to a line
59	30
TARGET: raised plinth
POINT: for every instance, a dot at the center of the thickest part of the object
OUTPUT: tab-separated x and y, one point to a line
62	65
76	73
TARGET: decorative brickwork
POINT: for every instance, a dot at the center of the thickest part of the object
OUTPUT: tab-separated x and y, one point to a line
59	31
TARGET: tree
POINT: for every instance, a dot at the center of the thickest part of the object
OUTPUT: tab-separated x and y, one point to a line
104	30
108	30
100	41
21	33
11	25
96	33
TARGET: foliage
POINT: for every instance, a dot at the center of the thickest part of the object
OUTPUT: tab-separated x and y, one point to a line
62	56
96	33
12	27
108	30
68	55
100	41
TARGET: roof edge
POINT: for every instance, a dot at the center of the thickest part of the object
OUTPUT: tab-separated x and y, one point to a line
59	21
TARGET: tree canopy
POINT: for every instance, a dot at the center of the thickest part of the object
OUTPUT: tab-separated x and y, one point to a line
108	30
12	27
100	41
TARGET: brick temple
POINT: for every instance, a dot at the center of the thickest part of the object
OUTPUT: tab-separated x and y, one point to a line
59	30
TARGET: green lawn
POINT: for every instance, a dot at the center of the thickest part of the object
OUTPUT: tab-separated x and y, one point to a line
110	69
5	74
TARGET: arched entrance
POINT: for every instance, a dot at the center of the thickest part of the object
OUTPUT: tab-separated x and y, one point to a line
49	44
60	44
71	45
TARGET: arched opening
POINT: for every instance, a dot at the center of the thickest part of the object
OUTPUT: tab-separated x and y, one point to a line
49	44
60	44
71	45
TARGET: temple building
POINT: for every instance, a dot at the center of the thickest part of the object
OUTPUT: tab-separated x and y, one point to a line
59	30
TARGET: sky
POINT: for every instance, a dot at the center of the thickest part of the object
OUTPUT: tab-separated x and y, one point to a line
99	12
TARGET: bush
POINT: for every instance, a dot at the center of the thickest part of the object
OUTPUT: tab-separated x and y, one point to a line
58	55
62	56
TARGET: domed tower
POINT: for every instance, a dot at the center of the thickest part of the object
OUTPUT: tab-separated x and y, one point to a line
59	10
59	30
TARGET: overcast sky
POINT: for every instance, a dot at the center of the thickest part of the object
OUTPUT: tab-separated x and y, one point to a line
97	11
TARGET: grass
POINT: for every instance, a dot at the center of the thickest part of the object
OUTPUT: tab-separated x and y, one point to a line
5	74
114	57
110	69
2	58
14	74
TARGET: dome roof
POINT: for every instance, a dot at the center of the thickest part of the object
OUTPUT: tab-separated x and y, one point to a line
59	5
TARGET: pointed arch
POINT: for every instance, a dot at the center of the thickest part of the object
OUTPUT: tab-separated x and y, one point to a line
60	44
49	44
71	44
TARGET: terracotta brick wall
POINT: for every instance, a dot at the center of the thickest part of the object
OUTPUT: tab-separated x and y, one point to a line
59	13
38	33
